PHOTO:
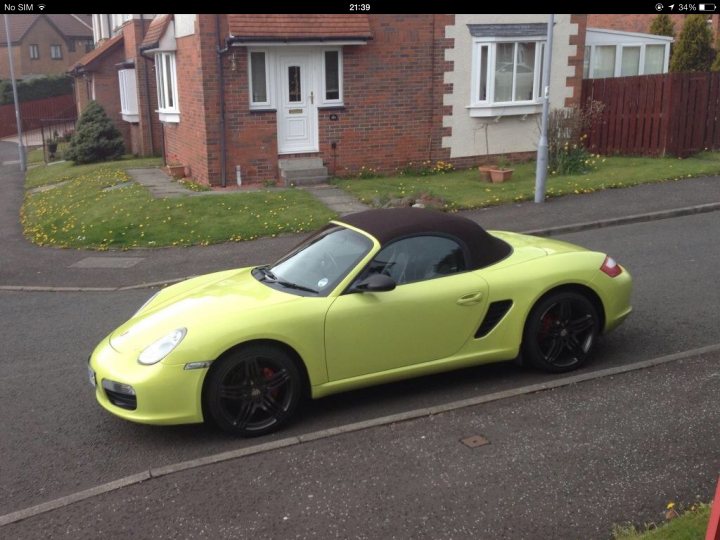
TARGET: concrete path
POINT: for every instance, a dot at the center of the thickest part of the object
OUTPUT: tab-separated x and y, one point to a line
336	199
159	183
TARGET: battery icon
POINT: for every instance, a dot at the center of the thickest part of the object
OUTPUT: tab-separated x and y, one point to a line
707	7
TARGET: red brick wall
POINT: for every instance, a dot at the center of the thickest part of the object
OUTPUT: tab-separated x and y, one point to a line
640	23
194	141
146	135
393	104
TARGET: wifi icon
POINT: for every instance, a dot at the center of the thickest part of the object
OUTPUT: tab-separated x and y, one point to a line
41	6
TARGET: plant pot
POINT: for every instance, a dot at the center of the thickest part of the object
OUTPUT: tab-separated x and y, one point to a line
52	148
176	171
500	175
484	172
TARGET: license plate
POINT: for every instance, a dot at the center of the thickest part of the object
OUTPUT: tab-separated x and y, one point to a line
91	376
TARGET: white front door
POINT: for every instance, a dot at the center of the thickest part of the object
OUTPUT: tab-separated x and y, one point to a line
297	111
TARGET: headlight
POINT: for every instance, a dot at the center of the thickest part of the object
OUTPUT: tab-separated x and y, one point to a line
162	347
146	303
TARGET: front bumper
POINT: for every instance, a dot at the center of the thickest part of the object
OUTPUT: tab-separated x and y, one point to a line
164	394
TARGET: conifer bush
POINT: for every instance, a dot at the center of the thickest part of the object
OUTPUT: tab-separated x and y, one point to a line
96	138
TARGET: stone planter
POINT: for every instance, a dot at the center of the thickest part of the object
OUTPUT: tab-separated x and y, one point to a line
484	171
176	171
500	175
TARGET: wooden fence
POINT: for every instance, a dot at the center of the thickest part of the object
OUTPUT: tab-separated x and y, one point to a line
673	113
32	112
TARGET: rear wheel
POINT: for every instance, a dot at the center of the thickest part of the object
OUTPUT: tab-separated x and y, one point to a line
253	391
560	332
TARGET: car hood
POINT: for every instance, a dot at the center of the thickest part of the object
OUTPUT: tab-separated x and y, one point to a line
197	304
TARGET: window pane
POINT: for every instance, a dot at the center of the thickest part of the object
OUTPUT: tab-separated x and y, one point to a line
504	71
168	82
419	258
654	59
630	64
294	90
160	81
259	81
540	92
482	87
332	75
525	71
604	61
586	63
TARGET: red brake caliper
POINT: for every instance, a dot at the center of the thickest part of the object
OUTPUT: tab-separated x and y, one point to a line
268	373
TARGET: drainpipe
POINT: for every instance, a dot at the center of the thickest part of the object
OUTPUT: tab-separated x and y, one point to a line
147	94
221	82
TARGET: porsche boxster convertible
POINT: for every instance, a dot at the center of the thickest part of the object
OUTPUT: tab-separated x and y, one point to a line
371	298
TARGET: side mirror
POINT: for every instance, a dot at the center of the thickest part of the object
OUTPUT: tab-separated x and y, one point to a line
375	283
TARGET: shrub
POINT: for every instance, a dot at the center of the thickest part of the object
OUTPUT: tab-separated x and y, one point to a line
96	138
662	25
693	50
567	131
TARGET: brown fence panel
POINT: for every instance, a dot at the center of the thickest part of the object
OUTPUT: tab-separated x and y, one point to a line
676	113
32	112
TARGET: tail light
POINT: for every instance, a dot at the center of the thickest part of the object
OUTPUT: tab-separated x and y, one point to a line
611	267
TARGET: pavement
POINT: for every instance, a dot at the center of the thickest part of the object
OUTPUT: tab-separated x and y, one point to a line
26	266
561	461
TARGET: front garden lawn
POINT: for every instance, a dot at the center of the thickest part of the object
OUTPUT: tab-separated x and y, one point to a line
691	525
464	189
83	213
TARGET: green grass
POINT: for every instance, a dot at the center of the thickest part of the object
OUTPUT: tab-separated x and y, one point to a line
60	172
689	526
35	156
464	189
80	214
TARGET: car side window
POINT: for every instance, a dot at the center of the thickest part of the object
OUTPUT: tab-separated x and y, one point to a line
419	258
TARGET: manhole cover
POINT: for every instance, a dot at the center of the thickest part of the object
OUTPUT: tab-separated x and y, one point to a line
106	262
474	441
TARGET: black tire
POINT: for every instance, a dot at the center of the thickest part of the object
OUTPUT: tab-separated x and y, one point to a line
253	391
560	332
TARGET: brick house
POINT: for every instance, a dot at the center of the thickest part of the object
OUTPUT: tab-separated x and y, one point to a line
248	94
44	44
117	76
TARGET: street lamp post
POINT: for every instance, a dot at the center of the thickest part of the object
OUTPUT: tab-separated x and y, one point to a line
542	151
21	150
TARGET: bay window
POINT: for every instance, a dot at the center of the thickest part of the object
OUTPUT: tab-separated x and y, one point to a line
506	76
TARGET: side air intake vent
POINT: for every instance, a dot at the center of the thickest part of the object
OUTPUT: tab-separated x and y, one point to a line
496	311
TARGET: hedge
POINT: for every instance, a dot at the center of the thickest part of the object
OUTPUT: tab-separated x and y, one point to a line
37	88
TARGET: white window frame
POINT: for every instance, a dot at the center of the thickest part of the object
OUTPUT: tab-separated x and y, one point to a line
271	77
323	99
618	57
128	95
56	48
165	91
269	102
34	51
490	107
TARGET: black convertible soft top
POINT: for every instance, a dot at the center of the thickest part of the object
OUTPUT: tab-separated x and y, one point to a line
392	224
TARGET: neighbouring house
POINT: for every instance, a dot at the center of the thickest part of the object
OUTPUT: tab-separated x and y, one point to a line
615	53
248	97
44	44
122	80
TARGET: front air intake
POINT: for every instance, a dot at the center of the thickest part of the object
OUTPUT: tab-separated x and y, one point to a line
495	312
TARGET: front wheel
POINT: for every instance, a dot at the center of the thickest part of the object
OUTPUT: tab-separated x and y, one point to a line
560	332
253	391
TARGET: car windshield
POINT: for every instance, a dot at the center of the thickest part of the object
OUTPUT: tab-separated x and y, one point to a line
319	264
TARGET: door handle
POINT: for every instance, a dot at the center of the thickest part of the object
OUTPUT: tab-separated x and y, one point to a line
470	299
312	97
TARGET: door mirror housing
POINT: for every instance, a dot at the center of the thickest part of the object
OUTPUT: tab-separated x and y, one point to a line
375	283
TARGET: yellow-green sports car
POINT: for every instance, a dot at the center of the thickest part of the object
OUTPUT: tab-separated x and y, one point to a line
371	298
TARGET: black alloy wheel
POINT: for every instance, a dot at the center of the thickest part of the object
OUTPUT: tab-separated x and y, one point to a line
253	391
560	332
